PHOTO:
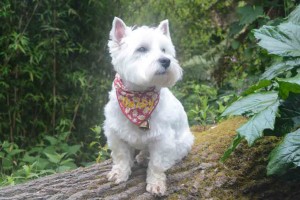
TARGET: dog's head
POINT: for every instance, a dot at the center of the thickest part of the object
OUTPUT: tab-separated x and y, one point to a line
144	56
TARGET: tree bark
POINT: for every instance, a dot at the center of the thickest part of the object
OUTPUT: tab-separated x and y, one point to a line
198	176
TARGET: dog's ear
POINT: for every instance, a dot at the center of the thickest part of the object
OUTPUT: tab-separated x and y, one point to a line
118	30
164	27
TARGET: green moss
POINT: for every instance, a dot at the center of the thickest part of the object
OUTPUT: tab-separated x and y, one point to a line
242	176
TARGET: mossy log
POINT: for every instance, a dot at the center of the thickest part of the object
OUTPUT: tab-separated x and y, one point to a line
199	176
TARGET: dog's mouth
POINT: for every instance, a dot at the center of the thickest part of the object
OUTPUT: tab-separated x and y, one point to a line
161	72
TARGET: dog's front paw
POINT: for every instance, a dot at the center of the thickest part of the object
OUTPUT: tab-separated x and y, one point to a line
118	175
159	188
156	182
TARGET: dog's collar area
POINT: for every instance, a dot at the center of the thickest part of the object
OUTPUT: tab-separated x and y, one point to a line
145	125
131	87
137	106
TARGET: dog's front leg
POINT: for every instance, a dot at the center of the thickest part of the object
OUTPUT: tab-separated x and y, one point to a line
156	180
161	159
122	155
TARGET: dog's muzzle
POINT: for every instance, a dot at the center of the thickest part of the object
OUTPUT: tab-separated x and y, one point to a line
165	62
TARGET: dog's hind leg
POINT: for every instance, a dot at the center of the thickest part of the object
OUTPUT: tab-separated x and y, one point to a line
122	155
142	158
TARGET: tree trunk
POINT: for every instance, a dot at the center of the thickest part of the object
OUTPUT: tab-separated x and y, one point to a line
199	176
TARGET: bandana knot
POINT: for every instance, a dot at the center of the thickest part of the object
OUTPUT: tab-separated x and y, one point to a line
137	106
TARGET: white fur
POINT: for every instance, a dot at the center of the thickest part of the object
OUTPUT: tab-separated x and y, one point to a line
169	138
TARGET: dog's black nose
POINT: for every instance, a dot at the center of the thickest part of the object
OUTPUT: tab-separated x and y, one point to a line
165	62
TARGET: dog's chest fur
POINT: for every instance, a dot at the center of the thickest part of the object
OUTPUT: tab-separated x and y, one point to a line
163	119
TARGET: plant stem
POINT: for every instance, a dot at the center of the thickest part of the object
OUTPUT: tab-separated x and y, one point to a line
54	76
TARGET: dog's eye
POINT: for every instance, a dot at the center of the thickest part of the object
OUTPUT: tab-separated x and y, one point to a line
142	49
163	50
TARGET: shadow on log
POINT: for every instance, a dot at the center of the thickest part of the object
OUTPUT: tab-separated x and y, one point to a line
199	176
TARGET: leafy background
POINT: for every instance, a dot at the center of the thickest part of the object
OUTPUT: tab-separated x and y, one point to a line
55	73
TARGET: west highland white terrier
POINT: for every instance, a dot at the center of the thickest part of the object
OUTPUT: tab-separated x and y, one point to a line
142	114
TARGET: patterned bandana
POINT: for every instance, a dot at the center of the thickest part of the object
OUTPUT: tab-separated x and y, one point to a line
136	106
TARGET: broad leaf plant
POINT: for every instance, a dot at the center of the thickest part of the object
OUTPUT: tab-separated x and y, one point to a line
273	104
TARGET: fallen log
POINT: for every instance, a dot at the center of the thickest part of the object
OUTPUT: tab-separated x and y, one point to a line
198	176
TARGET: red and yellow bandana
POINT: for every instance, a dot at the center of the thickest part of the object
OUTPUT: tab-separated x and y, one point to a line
136	106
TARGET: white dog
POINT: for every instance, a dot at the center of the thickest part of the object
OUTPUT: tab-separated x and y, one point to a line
142	113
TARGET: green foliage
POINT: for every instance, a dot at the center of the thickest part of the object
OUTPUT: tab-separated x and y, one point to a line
294	17
273	102
103	152
278	68
249	14
55	71
252	104
8	154
280	40
254	128
286	155
200	102
52	155
287	85
54	77
263	106
236	141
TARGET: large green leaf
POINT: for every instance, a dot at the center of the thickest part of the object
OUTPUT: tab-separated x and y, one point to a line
249	13
253	129
232	147
282	40
72	150
287	85
289	119
285	155
15	152
259	85
7	163
253	104
42	164
279	68
290	110
53	141
55	158
294	17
